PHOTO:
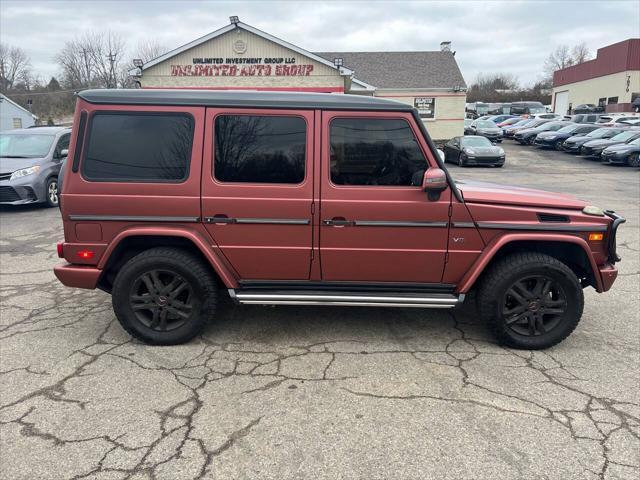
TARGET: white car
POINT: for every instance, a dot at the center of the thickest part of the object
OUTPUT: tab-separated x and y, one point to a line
614	119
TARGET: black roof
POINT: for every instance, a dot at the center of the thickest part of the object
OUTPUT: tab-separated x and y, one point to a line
213	98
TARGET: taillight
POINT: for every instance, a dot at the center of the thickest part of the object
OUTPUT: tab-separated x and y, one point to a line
86	254
60	251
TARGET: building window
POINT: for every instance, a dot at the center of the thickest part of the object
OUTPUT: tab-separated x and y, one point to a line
426	107
612	100
17	123
138	147
375	152
602	102
260	149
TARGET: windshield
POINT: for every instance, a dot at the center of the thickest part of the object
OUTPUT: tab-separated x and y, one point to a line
601	132
475	142
570	128
20	145
624	136
635	142
551	127
485	124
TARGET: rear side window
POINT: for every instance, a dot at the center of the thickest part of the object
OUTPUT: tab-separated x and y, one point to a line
260	149
375	152
138	147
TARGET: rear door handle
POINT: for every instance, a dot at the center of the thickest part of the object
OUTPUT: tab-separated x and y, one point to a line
338	222
219	218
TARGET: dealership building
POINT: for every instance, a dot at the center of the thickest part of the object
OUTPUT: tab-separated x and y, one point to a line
241	57
611	80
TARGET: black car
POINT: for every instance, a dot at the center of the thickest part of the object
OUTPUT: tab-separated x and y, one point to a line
624	153
587	108
473	150
528	135
595	147
573	144
555	139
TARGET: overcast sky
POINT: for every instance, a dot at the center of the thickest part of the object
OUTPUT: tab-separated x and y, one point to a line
488	36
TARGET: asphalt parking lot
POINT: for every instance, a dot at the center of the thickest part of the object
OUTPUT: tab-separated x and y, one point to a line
279	393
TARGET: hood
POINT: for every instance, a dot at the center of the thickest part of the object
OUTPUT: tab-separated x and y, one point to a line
623	147
580	139
489	129
548	134
10	165
601	142
484	192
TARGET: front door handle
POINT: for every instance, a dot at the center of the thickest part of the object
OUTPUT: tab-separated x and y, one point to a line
338	222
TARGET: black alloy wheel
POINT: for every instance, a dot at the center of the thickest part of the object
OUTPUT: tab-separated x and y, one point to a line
634	160
534	305
161	300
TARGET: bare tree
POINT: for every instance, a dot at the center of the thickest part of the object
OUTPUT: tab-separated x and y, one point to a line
147	50
14	65
580	53
94	59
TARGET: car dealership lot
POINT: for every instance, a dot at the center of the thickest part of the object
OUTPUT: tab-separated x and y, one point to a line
304	392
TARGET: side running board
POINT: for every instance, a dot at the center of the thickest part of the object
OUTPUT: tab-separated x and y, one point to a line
354	299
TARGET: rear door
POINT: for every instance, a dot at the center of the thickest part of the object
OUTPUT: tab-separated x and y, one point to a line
377	224
257	187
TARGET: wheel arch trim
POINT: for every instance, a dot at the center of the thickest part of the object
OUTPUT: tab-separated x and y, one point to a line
225	274
494	247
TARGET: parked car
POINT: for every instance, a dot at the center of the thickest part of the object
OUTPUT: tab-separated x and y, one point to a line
575	143
614	119
587	108
173	198
486	128
473	150
526	108
511	130
548	116
554	139
623	153
583	118
594	148
533	123
509	122
632	122
30	160
501	118
528	135
499	108
467	126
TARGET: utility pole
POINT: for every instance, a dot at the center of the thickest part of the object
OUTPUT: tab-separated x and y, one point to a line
112	58
86	66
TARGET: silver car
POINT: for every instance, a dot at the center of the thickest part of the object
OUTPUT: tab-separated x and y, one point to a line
30	160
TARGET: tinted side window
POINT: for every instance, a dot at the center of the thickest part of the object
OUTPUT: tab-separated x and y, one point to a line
260	149
374	152
63	143
142	147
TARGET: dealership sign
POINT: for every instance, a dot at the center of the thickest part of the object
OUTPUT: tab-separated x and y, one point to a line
426	106
242	67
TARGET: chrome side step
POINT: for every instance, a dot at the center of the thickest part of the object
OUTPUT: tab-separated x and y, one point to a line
353	299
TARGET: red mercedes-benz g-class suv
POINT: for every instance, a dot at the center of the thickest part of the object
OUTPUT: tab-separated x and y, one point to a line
309	199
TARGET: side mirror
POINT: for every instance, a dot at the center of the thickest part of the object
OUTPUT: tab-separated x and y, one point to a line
64	152
441	154
434	182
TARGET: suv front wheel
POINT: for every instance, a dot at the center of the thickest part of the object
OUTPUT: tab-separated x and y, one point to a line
164	296
530	300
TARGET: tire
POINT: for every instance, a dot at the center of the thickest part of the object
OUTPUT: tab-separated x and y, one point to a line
52	198
460	161
166	317
537	321
557	145
530	140
634	160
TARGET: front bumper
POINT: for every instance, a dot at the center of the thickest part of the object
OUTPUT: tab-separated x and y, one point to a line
483	160
620	158
590	151
571	147
77	276
21	190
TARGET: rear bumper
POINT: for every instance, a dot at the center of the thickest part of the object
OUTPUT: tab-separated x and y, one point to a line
77	276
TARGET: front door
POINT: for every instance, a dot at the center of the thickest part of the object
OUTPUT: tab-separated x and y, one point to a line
377	224
257	186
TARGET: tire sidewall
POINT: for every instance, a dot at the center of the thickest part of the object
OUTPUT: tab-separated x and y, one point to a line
634	160
570	318
121	304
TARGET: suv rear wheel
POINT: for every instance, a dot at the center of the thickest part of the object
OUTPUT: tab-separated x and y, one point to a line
164	296
530	300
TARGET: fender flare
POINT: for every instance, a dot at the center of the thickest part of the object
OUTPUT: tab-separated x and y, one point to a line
494	247
219	266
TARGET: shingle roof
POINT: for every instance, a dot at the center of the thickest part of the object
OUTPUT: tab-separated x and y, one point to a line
402	69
